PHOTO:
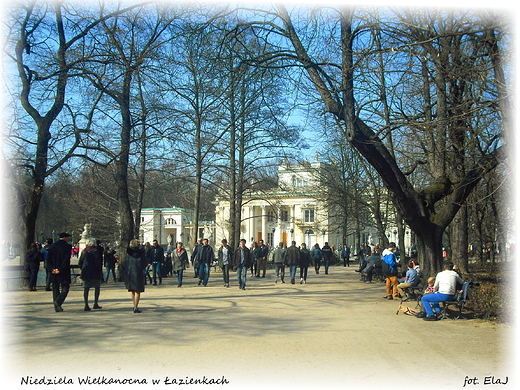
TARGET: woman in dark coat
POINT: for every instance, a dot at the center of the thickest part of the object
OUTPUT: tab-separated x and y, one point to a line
32	262
180	261
133	271
305	260
91	266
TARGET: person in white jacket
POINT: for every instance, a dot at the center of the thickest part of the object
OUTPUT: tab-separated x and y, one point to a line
445	288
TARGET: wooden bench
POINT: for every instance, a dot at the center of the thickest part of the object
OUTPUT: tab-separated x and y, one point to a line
459	300
21	277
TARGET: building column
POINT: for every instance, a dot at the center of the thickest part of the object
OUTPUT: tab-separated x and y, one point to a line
278	232
264	224
293	225
250	224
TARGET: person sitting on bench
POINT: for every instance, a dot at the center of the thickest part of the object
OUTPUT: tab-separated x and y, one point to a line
445	288
412	280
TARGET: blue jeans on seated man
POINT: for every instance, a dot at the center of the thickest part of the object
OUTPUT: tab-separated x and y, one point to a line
433	300
204	273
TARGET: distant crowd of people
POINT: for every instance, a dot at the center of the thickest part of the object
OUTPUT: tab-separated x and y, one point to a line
140	260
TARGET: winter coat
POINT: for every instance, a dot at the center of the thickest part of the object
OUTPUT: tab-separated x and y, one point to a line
205	255
110	258
317	254
247	257
32	260
90	264
220	255
326	252
293	255
132	269
305	257
389	263
179	260
59	258
279	255
156	254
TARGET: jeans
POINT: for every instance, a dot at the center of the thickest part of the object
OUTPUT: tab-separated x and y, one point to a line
326	263
293	272
279	270
225	273
179	277
147	274
156	268
303	272
317	264
242	276
204	273
113	269
433	300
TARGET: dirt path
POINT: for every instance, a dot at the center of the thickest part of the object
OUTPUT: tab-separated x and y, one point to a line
333	332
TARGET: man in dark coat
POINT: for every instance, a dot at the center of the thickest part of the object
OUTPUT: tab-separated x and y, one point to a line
293	260
261	258
345	255
156	254
327	256
205	258
241	262
58	261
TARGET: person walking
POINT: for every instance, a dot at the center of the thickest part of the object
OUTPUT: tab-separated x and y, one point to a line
48	271
147	254
179	262
293	260
194	260
254	265
109	258
279	256
157	260
33	257
345	255
261	258
305	260
241	262
327	256
205	257
317	255
59	262
132	271
225	260
91	267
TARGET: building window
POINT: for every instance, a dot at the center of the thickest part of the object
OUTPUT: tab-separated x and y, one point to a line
270	216
170	221
298	182
285	216
308	216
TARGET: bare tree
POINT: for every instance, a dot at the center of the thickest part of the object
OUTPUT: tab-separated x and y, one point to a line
44	39
430	208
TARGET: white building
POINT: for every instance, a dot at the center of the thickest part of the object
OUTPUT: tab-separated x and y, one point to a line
166	225
291	212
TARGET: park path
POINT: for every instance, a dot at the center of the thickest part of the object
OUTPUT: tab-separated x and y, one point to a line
333	332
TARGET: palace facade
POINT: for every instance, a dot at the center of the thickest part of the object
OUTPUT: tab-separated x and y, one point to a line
290	212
